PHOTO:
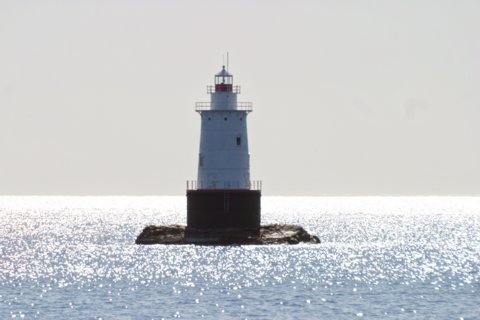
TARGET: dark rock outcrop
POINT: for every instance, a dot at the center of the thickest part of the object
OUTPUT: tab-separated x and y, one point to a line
268	234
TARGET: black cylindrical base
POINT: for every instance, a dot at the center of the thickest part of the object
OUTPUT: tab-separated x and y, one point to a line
223	209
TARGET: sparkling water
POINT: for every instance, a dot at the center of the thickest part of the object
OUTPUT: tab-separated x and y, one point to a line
380	257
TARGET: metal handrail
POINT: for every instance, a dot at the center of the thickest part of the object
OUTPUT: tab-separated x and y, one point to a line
211	89
202	105
240	106
223	185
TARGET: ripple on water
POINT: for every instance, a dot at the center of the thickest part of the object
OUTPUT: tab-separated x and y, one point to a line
401	257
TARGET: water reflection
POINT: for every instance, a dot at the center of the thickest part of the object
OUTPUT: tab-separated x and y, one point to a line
401	257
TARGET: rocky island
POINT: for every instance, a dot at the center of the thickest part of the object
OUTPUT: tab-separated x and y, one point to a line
267	234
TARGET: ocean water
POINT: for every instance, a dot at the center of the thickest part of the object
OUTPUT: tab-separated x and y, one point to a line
380	257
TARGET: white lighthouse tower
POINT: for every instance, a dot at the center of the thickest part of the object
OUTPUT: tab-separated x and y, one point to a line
223	197
223	158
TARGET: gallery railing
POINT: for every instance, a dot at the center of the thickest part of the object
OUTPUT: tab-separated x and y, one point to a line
207	106
220	185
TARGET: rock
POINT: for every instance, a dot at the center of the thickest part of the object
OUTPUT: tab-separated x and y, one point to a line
172	234
268	234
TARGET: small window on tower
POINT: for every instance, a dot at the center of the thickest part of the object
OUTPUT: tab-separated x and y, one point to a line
239	141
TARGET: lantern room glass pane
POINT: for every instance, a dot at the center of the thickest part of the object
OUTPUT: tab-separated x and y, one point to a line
223	80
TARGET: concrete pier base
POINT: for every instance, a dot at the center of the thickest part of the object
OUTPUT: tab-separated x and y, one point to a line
225	209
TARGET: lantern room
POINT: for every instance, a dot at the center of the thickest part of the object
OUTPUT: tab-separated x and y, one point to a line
223	81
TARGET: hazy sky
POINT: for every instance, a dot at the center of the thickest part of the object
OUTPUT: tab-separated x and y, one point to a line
350	97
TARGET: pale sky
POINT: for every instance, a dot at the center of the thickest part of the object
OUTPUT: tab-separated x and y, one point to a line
350	97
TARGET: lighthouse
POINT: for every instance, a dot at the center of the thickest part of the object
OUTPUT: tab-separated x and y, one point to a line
223	204
223	199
